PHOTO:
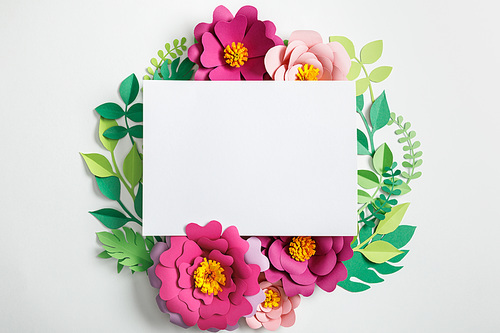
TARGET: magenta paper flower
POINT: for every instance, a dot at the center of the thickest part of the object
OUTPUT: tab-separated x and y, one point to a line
277	309
303	262
207	278
307	58
232	48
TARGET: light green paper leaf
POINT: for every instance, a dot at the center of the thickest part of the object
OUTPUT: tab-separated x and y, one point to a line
379	252
111	218
109	186
362	85
392	219
354	71
379	74
368	179
404	188
129	88
363	197
132	166
135	113
105	124
110	111
346	43
98	165
362	144
379	112
371	52
382	158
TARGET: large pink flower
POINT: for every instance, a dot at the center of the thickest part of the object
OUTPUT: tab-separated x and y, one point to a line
230	47
303	262
277	310
206	279
307	58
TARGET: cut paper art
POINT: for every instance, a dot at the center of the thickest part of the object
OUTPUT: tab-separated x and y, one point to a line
211	277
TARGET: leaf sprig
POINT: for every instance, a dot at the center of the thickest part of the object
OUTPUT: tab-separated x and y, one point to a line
171	52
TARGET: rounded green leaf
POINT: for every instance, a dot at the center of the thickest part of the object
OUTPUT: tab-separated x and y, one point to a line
109	186
116	132
132	166
380	251
362	85
105	124
354	71
379	112
129	88
135	112
346	43
110	111
363	197
98	165
368	179
111	218
392	219
136	131
138	201
381	73
362	144
371	52
382	158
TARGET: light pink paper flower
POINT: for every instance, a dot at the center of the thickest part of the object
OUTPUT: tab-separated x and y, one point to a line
307	58
232	48
208	278
277	310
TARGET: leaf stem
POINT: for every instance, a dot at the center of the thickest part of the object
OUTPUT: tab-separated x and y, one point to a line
119	175
368	77
412	152
129	213
128	128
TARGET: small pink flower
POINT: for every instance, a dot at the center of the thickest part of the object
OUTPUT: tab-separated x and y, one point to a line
307	58
277	310
232	48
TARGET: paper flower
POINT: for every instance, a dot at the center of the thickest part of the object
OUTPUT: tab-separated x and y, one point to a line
307	58
230	47
302	262
207	278
277	309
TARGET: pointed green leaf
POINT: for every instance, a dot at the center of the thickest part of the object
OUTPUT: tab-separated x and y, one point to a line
110	111
115	133
382	158
362	85
381	73
346	43
360	103
136	131
109	186
379	112
132	166
129	89
135	113
105	124
104	255
392	219
371	52
98	165
363	197
119	267
399	257
138	201
111	218
379	252
354	71
362	144
368	179
401	236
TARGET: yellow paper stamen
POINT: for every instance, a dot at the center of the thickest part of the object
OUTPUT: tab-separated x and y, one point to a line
236	54
208	277
307	73
302	248
272	299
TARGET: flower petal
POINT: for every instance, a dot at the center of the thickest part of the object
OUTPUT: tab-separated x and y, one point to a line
202	73
190	251
253	323
273	275
322	265
295	301
189	317
225	73
323	244
272	325
213	54
274	254
279	75
206	298
322	50
209	244
329	282
194	52
256	41
229	32
255	256
274	58
271	33
186	296
255	301
287	306
291	288
156	251
291	74
309	37
254	69
212	230
338	243
291	265
288	320
341	58
225	260
305	278
297	52
169	277
168	257
221	13
291	46
250	12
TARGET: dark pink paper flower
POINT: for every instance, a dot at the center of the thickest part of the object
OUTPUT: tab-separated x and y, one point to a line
207	278
232	48
303	262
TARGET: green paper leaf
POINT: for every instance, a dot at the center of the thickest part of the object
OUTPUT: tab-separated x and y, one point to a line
368	179
360	103
363	197
379	74
404	188
129	89
371	52
132	166
346	43
135	112
119	267
111	218
184	71
105	124
392	219
104	255
382	158
379	252
399	257
354	71
129	248
98	165
362	144
116	132
138	201
136	131
109	186
379	112
110	111
362	85
401	236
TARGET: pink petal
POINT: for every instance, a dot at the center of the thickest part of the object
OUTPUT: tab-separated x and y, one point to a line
229	32
271	33
291	288
186	296
194	53
201	74
250	14
254	69
306	58
305	278
255	256
169	277
274	254
275	313
262	317
322	50
208	244
265	241
291	46
256	41
327	76
206	298
225	260
338	243
195	265
323	245
309	37
279	75
346	252
213	323
191	250
217	307
287	306
253	323
288	320
225	73
184	278
213	52
291	265
237	296
238	311
295	301
341	58
221	13
212	230
255	301
291	74
326	63
338	75
168	257
274	58
329	282
273	275
322	265
297	52
189	317
234	240
272	325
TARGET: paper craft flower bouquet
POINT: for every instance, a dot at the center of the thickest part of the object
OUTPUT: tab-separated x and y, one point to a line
213	277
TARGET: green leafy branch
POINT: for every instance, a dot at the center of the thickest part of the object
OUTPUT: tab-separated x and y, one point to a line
413	156
184	71
171	52
379	117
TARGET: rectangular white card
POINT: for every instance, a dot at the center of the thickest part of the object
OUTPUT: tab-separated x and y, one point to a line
271	158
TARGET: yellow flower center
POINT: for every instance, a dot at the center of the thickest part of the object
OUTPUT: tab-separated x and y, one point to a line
236	54
302	248
208	277
307	73
272	299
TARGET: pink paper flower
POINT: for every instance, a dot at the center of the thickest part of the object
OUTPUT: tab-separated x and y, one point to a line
232	48
207	278
306	58
303	262
277	310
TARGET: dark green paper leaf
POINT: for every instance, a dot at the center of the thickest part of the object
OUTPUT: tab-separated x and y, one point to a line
110	111
362	143
109	186
116	132
104	124
401	236
136	131
135	113
111	218
129	89
138	201
360	103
